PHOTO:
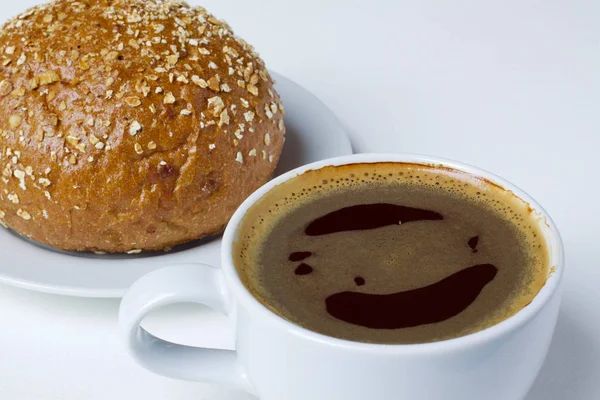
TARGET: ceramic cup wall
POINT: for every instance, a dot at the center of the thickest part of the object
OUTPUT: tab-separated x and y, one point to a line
277	360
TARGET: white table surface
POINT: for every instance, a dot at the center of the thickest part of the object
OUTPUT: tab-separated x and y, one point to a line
511	86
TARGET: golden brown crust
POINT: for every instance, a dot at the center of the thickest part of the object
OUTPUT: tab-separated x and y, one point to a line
130	124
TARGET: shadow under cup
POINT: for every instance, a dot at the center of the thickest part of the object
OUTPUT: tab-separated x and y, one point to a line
544	222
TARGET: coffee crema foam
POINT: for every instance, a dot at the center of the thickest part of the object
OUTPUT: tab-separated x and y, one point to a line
324	251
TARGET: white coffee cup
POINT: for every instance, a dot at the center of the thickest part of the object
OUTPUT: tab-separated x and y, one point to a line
278	360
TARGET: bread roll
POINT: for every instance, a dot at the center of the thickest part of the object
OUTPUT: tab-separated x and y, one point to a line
130	125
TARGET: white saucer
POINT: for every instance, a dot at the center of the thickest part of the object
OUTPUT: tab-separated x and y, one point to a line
313	133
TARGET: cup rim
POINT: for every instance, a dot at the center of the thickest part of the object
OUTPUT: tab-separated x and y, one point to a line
503	328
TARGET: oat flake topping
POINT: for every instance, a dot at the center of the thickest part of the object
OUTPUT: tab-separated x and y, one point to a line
88	84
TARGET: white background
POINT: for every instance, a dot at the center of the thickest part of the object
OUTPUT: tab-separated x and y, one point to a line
511	86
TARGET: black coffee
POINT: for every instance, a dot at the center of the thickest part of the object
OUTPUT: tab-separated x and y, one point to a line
392	252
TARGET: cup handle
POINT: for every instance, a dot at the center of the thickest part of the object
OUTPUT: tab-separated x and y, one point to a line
186	283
